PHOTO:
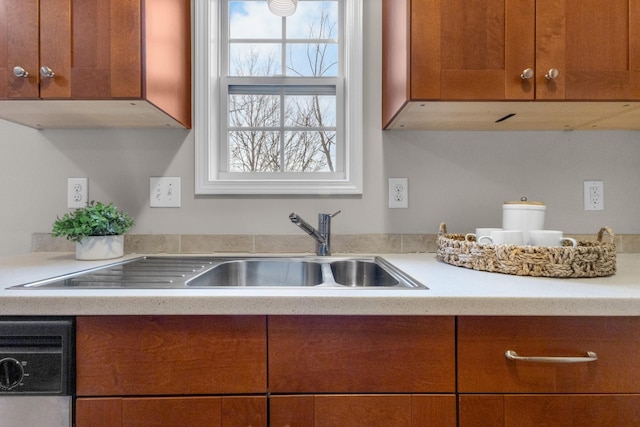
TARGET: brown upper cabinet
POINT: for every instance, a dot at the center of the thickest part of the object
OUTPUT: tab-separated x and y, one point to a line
134	56
510	50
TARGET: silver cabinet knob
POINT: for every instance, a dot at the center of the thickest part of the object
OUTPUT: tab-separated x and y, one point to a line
47	72
552	73
526	74
18	71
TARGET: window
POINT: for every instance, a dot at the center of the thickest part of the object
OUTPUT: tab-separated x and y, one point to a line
278	100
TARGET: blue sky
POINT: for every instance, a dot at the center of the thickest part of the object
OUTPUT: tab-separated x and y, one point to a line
252	20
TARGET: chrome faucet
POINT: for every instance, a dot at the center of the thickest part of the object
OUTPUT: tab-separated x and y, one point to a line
322	234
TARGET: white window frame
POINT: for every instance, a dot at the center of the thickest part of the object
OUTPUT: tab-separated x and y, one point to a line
209	100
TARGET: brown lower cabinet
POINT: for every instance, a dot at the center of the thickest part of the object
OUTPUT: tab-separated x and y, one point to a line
373	371
171	371
558	382
535	410
363	411
387	371
361	354
190	371
200	411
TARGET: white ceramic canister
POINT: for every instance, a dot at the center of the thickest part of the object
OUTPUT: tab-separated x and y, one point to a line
523	215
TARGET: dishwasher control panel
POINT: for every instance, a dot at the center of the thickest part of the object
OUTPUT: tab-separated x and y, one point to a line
36	356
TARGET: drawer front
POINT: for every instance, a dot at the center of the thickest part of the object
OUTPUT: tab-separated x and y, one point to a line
397	410
174	411
522	410
361	354
484	368
155	355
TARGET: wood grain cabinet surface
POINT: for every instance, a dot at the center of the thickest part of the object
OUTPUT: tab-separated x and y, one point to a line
361	354
535	410
170	355
106	50
503	50
20	46
370	370
357	362
172	412
479	50
355	410
471	50
495	391
483	367
355	371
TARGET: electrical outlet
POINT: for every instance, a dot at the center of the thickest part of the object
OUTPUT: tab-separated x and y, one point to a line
398	193
77	192
164	192
593	196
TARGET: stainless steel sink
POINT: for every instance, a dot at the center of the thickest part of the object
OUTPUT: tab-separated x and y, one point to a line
254	272
236	272
362	273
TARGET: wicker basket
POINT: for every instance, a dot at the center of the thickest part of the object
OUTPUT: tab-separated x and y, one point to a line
587	259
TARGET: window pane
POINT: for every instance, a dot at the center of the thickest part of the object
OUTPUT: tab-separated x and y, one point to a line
280	77
310	111
314	20
312	60
252	20
254	111
310	151
252	59
254	151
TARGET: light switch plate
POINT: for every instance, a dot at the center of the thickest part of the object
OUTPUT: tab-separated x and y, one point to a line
164	192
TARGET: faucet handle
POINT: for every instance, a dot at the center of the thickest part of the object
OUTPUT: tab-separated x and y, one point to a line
323	217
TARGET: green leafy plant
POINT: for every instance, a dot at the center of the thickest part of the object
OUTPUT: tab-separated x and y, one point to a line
96	219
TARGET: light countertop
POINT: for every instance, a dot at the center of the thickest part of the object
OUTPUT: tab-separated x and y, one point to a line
452	291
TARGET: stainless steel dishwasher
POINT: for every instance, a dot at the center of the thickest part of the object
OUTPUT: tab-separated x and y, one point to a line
36	371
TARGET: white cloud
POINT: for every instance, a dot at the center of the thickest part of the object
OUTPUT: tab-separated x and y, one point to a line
252	19
255	21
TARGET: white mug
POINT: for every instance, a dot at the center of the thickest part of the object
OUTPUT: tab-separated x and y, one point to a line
483	231
504	237
549	238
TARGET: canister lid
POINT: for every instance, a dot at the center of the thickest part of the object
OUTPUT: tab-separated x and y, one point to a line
524	201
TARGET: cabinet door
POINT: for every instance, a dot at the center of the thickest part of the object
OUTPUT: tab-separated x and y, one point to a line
475	50
55	48
155	355
549	410
19	47
594	45
361	354
107	49
363	410
484	368
172	411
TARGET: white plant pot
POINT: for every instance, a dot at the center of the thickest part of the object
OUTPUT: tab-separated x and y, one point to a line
100	247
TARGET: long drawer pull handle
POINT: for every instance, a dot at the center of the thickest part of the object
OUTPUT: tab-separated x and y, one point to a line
590	357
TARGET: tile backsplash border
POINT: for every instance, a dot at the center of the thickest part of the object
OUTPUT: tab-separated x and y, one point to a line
282	243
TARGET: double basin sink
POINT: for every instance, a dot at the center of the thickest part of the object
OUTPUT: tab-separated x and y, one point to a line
159	272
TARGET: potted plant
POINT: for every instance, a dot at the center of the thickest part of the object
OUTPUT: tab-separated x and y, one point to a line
97	229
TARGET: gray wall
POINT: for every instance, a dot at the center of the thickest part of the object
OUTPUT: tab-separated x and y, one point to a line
460	178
